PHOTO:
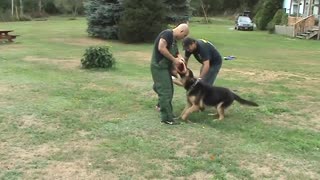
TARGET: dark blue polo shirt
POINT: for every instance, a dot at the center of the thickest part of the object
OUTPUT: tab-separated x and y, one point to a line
205	51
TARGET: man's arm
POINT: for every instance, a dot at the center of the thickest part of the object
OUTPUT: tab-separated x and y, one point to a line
186	57
205	68
162	47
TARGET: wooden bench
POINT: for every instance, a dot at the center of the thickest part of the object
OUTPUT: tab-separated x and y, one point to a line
4	35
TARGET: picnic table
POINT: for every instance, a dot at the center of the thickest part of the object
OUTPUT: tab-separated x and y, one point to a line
4	34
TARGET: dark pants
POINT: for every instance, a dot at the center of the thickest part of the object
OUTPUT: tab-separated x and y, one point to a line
212	74
163	86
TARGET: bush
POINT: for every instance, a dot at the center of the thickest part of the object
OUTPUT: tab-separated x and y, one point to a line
284	19
142	20
6	16
25	18
178	11
266	12
98	57
103	17
275	21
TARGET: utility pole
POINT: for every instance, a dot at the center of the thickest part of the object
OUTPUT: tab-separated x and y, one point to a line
290	8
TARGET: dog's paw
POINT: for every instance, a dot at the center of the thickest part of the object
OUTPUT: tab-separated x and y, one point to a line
188	121
213	114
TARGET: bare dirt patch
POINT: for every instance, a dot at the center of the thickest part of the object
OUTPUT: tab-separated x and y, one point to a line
305	118
272	167
85	41
265	75
137	56
11	47
200	175
70	170
28	121
4	88
188	150
16	156
61	63
94	86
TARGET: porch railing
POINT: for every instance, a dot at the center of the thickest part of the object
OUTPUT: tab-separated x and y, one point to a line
304	25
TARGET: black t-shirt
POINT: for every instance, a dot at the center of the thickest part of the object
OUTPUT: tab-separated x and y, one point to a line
205	51
166	35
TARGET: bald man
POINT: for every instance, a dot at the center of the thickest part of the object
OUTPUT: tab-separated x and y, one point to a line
166	56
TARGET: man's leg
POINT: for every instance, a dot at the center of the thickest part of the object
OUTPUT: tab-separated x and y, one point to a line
164	88
155	90
212	74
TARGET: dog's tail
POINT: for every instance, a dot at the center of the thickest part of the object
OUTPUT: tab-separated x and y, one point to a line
243	101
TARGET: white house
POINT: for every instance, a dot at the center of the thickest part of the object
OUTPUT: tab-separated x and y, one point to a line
302	19
302	7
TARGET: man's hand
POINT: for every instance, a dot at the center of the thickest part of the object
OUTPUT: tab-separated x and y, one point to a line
181	67
177	61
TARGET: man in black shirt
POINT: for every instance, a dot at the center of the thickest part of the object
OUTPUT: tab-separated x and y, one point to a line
166	56
206	54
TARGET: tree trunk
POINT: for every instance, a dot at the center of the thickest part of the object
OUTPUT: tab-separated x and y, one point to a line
75	12
40	7
21	8
204	11
17	13
12	7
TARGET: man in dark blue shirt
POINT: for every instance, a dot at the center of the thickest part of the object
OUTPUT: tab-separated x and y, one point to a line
206	54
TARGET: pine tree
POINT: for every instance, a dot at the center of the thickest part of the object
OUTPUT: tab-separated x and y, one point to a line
141	20
178	11
267	11
103	18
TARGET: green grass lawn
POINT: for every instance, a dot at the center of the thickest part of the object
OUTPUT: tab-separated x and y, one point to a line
58	121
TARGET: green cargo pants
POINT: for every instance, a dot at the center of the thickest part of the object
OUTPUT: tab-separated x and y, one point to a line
161	75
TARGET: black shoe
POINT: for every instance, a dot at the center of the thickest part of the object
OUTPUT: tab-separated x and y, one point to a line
170	122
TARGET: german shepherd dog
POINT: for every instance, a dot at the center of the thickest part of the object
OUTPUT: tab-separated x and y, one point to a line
200	95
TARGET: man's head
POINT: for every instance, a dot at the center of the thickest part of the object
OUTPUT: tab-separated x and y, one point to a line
181	31
189	44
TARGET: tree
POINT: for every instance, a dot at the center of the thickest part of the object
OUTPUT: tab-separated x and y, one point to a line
141	20
277	18
103	18
209	7
178	11
69	5
267	11
21	8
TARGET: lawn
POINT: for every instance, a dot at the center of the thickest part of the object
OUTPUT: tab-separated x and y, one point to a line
58	121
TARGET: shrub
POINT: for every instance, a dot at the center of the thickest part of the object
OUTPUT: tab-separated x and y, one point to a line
268	10
284	19
142	20
6	16
275	21
103	17
25	18
178	11
98	57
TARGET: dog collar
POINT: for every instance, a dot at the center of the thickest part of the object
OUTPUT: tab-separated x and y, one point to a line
194	84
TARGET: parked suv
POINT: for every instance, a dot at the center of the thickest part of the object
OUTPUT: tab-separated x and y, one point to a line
243	23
